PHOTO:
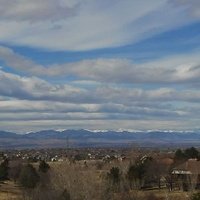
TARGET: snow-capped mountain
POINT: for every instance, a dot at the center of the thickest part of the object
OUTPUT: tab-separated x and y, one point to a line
82	137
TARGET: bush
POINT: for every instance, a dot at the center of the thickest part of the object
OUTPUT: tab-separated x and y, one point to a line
196	196
65	195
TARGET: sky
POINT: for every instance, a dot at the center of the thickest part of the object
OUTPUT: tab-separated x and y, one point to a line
90	64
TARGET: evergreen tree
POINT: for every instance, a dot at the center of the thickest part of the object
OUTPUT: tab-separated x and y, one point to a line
43	166
114	176
28	177
4	167
179	155
191	153
136	173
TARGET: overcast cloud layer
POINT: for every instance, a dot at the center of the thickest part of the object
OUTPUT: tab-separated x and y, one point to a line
96	91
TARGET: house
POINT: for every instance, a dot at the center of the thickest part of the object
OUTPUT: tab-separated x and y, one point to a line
187	174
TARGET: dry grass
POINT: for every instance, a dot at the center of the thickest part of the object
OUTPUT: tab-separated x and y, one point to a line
9	191
87	182
165	194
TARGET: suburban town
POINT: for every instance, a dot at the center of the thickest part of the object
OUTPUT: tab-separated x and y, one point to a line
138	173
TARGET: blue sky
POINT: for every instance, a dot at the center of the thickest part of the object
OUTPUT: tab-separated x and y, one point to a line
99	64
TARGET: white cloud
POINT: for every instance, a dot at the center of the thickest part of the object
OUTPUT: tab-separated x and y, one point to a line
174	69
32	88
36	104
192	6
86	24
18	106
35	88
60	110
34	11
20	63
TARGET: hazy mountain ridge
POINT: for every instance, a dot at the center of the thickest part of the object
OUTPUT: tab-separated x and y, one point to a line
77	138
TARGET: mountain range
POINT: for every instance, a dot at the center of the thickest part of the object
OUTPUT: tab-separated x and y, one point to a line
98	138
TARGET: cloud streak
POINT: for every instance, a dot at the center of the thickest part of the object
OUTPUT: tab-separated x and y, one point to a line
37	89
101	24
22	10
175	69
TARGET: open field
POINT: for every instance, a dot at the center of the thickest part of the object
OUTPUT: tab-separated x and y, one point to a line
10	191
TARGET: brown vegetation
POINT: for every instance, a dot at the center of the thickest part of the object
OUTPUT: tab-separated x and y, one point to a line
145	176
